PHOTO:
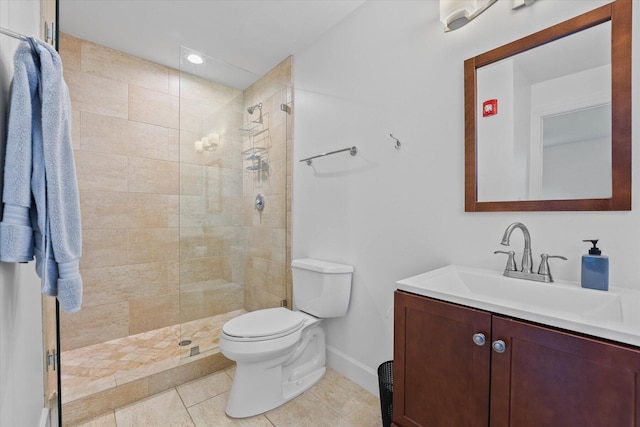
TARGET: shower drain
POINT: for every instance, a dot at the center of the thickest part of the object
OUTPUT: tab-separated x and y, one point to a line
184	342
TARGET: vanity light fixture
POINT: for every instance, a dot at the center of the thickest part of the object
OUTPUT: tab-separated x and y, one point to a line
457	13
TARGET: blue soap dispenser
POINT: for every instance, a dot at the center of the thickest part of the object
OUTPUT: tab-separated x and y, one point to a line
595	269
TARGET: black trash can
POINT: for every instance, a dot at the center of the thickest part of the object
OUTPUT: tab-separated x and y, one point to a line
385	381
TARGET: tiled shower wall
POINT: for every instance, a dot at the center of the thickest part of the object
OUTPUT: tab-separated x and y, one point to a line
267	278
167	234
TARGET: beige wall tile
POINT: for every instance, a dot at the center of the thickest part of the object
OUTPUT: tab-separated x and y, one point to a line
193	211
95	324
191	116
152	107
106	134
223	299
256	298
100	171
98	95
69	49
115	65
154	244
103	209
121	283
173	150
103	247
108	285
267	243
174	82
209	299
191	179
265	275
146	314
278	153
151	210
202	91
202	269
173	210
153	176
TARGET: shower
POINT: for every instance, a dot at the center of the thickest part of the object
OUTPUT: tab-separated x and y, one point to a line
190	254
258	106
252	109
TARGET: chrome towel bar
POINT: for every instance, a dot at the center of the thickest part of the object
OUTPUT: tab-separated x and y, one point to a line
352	150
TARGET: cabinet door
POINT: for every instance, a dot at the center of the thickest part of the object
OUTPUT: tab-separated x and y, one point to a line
440	374
551	378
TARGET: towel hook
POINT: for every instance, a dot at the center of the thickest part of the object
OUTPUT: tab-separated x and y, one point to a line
398	143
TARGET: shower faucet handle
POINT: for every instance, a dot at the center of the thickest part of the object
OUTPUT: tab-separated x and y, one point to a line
511	261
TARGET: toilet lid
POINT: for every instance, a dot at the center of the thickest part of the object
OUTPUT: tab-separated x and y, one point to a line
267	323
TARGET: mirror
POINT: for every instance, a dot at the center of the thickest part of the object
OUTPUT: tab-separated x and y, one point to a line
548	118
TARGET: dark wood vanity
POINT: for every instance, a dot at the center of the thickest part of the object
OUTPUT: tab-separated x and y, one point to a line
445	375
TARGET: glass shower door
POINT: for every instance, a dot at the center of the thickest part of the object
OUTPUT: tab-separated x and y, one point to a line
233	152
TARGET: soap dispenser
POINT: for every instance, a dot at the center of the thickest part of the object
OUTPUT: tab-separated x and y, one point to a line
595	269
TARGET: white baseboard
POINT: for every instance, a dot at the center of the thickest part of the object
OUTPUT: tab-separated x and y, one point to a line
44	418
357	372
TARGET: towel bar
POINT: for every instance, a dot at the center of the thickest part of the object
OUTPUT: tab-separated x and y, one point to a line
352	150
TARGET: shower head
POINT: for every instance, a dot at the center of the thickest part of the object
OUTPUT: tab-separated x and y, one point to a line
251	109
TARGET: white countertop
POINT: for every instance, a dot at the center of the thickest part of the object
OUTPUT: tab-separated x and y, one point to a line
613	314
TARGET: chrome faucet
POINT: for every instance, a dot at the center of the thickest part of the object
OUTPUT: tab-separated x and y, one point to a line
511	270
527	260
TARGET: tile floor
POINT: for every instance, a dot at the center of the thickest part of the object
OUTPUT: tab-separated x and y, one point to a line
334	401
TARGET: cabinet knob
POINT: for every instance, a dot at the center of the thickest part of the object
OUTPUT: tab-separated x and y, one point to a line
479	339
499	346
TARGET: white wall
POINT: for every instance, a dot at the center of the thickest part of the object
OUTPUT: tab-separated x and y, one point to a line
21	375
389	67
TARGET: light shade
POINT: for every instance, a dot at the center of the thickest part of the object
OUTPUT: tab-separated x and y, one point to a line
457	13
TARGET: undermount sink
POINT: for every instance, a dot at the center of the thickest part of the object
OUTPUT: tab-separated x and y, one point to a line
562	304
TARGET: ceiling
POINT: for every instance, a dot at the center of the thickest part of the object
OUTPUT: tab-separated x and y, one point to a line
249	36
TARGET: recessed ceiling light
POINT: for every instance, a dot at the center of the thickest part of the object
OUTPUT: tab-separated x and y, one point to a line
194	58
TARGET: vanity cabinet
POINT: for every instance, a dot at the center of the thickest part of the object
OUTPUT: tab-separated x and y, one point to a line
446	374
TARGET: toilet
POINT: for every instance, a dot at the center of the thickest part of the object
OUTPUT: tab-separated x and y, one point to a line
280	353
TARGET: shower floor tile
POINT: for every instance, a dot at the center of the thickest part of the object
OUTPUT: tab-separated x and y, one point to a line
95	368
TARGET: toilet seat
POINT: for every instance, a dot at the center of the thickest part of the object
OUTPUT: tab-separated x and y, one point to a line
266	324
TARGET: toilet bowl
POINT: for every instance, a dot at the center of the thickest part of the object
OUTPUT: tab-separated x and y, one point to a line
280	353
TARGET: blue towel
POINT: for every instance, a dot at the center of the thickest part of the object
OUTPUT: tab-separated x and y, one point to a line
41	215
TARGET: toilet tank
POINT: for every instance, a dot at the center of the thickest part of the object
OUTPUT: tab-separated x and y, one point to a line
321	288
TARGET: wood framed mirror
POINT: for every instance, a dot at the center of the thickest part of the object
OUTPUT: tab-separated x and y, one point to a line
614	18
